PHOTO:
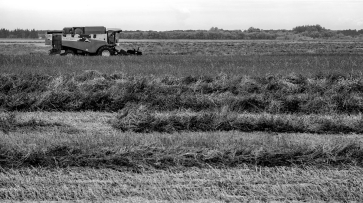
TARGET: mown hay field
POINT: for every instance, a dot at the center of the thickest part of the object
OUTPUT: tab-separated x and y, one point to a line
207	47
268	125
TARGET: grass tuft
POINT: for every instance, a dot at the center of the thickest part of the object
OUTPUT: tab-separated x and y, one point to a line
7	121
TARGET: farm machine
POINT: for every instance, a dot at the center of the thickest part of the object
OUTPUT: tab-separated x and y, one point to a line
96	40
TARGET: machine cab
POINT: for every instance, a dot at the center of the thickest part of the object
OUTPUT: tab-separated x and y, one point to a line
111	35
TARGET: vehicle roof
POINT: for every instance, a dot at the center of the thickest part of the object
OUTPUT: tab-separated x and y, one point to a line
114	29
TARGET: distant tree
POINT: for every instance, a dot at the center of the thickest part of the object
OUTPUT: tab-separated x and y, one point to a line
252	29
33	34
4	33
308	28
213	29
350	32
18	33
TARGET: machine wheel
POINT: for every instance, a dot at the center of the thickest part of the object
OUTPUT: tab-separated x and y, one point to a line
54	52
68	53
105	51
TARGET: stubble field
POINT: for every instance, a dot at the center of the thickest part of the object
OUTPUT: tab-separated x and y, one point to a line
198	121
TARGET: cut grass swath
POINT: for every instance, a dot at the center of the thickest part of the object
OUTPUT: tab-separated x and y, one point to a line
177	121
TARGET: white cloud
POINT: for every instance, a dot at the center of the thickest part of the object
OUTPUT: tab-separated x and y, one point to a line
181	15
353	23
359	22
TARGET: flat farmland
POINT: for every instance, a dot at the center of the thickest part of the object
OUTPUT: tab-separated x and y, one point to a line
243	47
189	121
17	40
209	47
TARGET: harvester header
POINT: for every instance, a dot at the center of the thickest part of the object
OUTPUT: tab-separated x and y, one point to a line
91	40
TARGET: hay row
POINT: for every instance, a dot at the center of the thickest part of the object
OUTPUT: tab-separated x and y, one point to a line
272	153
177	121
335	93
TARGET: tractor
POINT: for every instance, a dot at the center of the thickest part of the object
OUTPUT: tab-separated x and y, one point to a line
95	40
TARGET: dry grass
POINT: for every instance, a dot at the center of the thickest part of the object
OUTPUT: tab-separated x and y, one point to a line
73	144
335	93
140	120
241	47
205	47
183	66
9	123
23	48
243	184
80	156
99	163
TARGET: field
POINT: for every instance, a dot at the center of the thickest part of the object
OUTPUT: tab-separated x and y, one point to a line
190	121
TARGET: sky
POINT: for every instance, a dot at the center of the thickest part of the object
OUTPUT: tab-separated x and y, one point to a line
161	15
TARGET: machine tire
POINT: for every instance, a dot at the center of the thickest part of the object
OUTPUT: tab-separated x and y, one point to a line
53	52
68	53
105	51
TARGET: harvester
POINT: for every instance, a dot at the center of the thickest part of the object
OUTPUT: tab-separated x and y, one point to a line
96	40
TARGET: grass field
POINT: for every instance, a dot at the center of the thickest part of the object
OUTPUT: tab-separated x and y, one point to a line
183	66
80	156
198	125
199	185
207	47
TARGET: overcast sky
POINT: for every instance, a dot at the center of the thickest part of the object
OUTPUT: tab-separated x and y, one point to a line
181	14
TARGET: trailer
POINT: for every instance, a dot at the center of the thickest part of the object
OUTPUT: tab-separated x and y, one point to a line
91	40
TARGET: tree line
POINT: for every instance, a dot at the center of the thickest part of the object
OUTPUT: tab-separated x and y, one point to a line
317	31
196	34
252	33
18	33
